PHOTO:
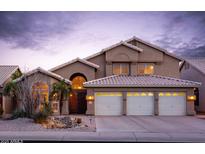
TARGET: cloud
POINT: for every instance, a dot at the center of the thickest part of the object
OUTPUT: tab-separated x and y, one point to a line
184	33
34	29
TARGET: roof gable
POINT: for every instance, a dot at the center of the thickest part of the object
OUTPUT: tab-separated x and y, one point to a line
45	72
134	38
74	61
6	71
135	48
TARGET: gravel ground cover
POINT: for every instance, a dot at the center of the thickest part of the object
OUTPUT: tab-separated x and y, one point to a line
25	124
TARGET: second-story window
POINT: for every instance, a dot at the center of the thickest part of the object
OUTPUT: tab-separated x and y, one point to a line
145	69
121	68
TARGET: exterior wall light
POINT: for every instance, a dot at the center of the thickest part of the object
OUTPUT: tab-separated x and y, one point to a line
89	98
191	98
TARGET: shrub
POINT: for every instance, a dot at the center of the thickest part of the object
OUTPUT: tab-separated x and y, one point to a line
43	114
18	114
40	117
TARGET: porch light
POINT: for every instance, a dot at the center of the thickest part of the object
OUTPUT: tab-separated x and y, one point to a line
89	98
191	98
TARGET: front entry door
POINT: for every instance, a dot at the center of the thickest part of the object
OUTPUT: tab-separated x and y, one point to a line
77	102
82	103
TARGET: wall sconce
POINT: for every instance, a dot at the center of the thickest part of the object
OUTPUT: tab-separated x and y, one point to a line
191	98
89	98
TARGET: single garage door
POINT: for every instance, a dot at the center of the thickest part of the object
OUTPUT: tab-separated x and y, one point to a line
172	103
108	103
140	103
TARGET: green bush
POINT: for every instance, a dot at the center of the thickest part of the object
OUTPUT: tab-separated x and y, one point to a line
18	114
43	115
39	117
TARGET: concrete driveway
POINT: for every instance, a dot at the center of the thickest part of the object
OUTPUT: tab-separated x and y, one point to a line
150	124
152	128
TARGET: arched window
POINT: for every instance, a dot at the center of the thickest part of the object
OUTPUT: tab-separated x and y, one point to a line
40	92
77	82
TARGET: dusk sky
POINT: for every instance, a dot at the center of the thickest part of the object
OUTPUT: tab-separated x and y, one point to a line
48	39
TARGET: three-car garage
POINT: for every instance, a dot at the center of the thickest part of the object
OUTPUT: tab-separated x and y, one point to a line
140	103
141	95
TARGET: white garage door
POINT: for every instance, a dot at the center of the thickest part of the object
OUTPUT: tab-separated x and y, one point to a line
108	103
140	103
172	103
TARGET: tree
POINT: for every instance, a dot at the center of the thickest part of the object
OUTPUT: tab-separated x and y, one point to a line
62	90
10	89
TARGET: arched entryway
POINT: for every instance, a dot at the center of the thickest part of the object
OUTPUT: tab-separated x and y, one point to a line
77	101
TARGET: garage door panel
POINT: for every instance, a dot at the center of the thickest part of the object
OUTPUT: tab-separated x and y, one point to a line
108	103
172	104
140	103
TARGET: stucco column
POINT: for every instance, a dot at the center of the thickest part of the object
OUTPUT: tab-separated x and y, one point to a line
90	104
156	103
190	104
65	110
7	105
124	101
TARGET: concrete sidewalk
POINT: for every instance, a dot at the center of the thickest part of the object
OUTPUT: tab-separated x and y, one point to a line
102	136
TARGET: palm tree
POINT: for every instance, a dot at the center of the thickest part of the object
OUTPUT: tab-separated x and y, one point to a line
10	89
61	89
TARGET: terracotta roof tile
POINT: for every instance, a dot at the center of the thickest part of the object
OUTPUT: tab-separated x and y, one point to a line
6	71
140	81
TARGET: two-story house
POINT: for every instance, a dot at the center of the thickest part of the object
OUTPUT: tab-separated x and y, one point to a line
132	77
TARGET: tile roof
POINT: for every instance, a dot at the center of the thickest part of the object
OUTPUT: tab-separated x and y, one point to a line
140	81
76	60
198	63
51	74
5	72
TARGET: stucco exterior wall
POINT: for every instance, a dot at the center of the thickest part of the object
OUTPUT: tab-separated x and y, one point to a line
122	54
99	60
169	67
150	54
193	74
189	91
77	67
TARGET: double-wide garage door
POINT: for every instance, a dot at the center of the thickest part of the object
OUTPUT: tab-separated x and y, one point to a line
140	103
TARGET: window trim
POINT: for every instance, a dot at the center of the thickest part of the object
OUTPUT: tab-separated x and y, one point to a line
121	66
144	65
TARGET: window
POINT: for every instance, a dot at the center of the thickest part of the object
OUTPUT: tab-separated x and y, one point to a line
121	68
77	82
40	93
145	69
